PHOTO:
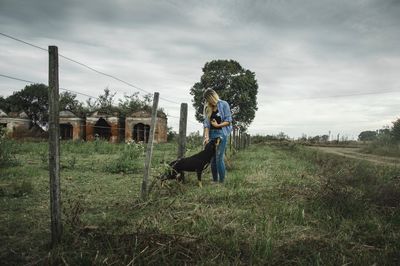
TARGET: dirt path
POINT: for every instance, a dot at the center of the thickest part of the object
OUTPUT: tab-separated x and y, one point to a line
356	154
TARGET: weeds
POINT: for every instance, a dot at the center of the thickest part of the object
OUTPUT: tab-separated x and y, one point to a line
279	206
129	159
7	150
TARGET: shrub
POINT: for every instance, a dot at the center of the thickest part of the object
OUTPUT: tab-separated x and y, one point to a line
129	160
7	150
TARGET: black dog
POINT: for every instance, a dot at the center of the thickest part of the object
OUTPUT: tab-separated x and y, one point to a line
196	163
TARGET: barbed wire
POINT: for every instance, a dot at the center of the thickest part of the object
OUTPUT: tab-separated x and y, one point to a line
87	66
76	92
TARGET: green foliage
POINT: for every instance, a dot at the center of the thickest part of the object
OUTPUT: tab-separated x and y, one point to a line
7	149
279	206
33	100
234	84
132	103
396	130
4	104
103	103
194	141
171	134
385	143
129	159
367	135
69	102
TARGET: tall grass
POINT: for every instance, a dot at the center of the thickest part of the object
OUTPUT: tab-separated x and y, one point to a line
280	205
7	150
386	149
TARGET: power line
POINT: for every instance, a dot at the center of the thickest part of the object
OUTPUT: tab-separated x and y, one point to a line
27	43
18	79
86	66
167	100
72	91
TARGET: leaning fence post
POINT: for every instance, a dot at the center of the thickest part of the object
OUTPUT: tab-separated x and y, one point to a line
182	130
54	148
230	143
149	151
240	139
234	138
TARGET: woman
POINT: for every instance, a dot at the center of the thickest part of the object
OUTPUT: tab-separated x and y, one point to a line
217	123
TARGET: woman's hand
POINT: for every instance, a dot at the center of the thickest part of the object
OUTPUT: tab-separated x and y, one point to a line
215	124
206	140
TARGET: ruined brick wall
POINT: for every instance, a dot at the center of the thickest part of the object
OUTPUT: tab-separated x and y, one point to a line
113	122
161	131
17	128
160	135
77	127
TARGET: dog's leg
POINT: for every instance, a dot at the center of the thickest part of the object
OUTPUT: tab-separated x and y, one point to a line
181	177
199	179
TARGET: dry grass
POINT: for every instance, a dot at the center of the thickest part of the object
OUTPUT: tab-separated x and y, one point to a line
279	206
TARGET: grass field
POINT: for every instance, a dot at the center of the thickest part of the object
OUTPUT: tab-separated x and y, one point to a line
280	205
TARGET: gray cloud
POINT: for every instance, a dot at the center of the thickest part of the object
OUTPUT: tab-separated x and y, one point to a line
297	50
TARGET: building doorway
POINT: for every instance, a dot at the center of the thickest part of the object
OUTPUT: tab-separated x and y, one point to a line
102	130
141	132
66	131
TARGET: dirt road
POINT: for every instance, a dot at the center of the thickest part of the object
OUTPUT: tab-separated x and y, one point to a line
356	154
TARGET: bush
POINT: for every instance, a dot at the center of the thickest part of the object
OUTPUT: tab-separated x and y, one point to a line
130	159
194	141
7	150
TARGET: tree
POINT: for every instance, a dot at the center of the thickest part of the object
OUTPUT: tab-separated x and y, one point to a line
324	138
4	105
367	135
104	103
130	104
233	83
396	130
69	102
33	100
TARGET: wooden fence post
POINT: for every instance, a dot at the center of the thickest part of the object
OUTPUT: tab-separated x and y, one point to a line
54	148
182	130
149	151
230	143
240	139
237	139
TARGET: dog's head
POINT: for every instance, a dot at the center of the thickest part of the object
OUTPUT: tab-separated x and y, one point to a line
212	145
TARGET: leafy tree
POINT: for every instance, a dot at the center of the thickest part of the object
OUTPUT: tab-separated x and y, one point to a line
367	135
104	103
130	104
324	138
33	100
4	105
385	131
396	130
233	83
171	134
69	102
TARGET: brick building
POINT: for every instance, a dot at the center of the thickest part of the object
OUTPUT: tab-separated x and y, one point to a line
18	125
72	127
137	127
103	126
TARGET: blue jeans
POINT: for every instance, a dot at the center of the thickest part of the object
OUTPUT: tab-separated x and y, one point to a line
217	162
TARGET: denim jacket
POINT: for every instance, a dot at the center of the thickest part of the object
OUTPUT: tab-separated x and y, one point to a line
226	116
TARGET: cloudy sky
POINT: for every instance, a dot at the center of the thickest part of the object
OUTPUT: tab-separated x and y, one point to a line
321	66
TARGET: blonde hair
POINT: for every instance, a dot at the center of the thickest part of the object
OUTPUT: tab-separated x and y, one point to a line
212	99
